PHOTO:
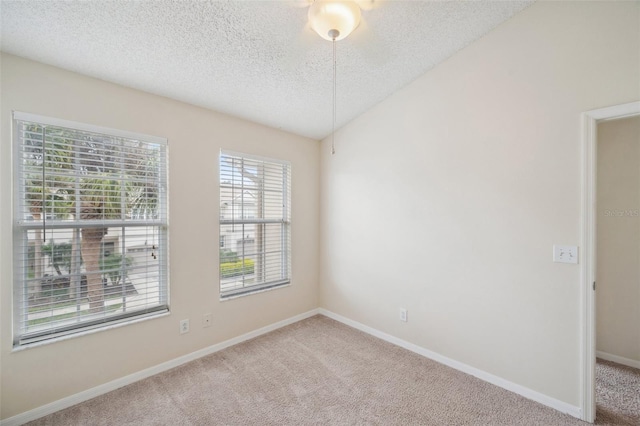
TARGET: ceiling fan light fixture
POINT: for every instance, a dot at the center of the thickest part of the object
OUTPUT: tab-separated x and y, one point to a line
328	16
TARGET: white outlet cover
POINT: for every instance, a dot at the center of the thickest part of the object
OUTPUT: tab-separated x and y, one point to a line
565	254
403	315
206	321
184	326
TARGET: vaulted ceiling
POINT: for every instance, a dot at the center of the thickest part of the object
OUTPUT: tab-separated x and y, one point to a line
257	60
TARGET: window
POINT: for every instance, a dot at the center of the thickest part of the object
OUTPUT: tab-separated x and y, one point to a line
255	200
90	240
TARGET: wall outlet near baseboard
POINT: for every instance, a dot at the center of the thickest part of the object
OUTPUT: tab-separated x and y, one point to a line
206	321
184	326
403	314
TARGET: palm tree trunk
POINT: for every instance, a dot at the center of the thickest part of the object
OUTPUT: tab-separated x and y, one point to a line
74	284
90	248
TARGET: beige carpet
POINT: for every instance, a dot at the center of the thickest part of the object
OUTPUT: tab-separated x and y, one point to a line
617	394
315	372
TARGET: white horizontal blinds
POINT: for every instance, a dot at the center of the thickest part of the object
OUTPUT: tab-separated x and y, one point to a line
91	224
254	223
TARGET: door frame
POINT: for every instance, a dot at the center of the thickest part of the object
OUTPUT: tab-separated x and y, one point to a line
590	120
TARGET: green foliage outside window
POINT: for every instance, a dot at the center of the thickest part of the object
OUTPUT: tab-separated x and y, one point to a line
112	267
234	269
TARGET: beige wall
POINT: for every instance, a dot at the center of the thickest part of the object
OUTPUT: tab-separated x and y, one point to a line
33	377
618	239
447	197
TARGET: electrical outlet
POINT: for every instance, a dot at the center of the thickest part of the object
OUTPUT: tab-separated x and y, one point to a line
184	326
403	314
206	320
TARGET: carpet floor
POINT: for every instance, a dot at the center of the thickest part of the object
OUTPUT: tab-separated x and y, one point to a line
314	372
617	394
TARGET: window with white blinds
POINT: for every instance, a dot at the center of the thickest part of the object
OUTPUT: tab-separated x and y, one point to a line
255	227
90	227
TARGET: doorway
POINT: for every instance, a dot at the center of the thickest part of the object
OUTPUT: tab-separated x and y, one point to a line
591	120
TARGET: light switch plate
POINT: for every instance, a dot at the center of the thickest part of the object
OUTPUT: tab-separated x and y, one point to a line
565	254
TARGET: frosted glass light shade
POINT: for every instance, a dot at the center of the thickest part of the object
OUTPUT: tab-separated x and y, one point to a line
341	15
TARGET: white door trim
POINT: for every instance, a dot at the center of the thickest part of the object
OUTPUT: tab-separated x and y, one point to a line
590	120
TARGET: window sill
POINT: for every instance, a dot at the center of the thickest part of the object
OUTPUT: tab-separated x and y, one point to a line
91	331
258	290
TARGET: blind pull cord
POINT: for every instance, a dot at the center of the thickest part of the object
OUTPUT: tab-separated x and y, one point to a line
333	127
43	209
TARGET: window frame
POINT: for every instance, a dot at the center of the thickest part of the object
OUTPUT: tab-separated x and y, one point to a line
285	221
22	337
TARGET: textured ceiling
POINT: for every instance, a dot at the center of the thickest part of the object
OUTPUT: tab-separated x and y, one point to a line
258	60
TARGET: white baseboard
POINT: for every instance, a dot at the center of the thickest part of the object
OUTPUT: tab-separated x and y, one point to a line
483	375
69	401
618	359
